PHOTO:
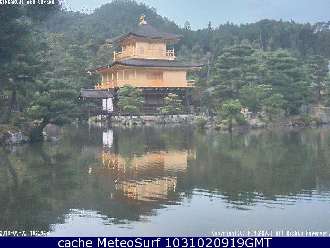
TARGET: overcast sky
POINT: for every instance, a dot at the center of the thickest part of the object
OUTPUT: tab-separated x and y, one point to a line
200	12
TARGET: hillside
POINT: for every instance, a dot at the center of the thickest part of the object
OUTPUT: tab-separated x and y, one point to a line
86	34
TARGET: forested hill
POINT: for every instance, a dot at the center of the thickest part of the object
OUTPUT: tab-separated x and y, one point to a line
91	30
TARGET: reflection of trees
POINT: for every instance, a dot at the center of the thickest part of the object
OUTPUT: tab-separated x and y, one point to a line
258	165
31	198
39	184
142	140
148	168
49	177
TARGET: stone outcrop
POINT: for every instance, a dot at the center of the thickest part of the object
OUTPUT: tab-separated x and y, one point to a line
52	132
321	113
256	123
12	136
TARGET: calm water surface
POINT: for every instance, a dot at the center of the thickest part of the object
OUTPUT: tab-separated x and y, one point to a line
167	181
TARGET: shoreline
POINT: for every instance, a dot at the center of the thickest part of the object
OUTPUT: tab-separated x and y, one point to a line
204	122
11	135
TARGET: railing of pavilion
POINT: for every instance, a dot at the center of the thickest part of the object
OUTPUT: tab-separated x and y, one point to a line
148	54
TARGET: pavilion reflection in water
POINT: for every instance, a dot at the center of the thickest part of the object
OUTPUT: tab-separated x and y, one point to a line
151	176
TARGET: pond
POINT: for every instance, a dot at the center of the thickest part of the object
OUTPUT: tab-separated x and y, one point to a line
149	181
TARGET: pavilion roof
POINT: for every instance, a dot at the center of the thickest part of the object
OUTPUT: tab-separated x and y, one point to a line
146	31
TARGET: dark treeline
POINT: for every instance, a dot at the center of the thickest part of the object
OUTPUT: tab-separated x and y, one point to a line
45	53
268	35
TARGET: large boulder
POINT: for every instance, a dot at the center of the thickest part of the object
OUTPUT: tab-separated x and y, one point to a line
52	132
256	123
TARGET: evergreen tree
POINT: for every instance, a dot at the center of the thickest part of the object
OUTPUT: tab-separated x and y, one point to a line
55	101
233	69
230	110
273	105
21	44
288	78
172	105
318	69
130	100
187	26
252	96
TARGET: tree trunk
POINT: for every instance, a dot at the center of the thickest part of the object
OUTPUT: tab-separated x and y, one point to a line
230	125
36	134
270	117
318	96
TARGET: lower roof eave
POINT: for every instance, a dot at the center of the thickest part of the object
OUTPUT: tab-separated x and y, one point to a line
149	64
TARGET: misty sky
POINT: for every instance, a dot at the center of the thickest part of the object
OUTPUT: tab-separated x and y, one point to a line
200	12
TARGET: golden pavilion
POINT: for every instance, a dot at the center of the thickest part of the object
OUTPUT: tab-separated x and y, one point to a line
144	60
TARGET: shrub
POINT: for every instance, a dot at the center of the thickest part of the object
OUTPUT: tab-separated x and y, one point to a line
201	122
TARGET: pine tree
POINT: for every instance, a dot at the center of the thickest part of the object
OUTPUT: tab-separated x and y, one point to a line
172	105
130	100
54	102
230	110
235	68
21	44
287	77
318	68
252	96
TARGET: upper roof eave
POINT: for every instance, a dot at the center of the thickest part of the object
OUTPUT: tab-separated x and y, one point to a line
148	32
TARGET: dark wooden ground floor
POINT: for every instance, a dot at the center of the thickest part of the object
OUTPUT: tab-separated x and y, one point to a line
154	99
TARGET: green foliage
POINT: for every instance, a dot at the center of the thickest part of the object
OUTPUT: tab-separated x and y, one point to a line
233	69
22	54
288	78
273	105
252	96
307	120
326	94
55	102
201	122
130	100
267	35
318	69
230	110
252	76
172	105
